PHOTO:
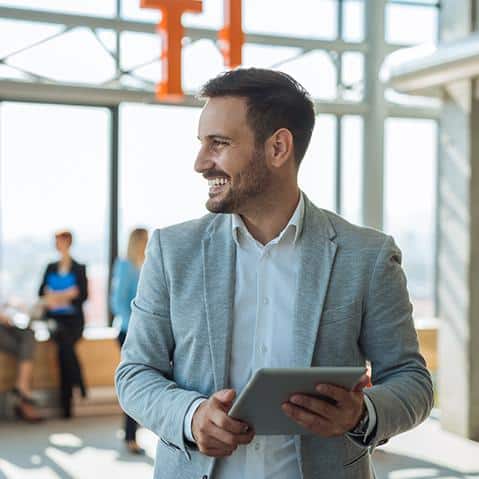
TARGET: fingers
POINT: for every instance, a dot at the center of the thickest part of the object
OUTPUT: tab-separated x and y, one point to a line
337	393
313	422
229	439
225	398
315	405
222	420
213	440
216	433
323	418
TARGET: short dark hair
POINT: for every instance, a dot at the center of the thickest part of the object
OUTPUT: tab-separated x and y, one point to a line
274	100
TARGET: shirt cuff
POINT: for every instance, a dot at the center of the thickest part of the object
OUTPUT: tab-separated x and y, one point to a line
362	439
372	417
187	430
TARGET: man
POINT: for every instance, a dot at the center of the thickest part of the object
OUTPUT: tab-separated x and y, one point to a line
267	280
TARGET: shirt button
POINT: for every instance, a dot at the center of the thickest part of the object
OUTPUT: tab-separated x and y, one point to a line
264	348
265	301
257	447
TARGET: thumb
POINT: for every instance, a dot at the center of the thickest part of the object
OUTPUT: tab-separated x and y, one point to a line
363	382
225	396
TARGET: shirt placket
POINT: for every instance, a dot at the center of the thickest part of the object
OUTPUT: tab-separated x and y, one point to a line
256	452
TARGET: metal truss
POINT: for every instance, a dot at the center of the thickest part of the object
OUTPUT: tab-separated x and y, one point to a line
113	92
374	108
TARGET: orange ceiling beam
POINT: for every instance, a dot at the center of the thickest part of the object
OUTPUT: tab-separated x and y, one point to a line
171	31
231	40
231	36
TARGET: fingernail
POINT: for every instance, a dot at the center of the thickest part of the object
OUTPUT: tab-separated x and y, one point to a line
245	428
319	387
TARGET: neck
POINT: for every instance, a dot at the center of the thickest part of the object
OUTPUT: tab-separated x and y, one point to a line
266	220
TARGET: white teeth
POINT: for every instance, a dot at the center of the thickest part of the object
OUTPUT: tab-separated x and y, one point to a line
217	182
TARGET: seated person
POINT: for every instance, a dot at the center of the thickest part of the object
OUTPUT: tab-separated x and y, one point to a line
21	344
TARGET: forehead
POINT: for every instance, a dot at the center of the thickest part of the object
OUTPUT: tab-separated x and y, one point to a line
224	116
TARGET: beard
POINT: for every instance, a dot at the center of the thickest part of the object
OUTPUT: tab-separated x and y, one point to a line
249	184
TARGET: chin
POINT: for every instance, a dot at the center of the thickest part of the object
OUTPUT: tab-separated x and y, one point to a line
215	205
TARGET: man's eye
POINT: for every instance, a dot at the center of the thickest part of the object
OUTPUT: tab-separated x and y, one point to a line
219	143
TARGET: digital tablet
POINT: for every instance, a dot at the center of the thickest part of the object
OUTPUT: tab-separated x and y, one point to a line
259	404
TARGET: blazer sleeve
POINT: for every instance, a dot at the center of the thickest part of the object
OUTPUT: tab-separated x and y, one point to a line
144	377
402	392
82	284
41	290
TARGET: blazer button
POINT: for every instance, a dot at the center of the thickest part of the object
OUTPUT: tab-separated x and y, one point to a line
205	477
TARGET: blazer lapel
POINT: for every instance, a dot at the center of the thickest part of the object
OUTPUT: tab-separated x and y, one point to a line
219	255
317	258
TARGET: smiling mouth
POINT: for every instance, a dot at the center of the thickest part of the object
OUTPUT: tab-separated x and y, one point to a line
217	185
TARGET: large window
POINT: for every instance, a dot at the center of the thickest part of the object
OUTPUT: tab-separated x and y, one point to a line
158	186
412	22
410	203
54	174
55	159
318	169
351	187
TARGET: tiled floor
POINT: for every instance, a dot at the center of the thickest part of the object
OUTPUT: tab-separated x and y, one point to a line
91	448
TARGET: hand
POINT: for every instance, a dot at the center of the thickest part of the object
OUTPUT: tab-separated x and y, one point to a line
54	300
71	293
216	434
323	418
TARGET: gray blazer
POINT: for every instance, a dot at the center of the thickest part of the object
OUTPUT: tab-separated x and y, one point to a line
352	305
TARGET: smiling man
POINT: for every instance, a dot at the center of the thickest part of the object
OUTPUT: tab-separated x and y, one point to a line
267	280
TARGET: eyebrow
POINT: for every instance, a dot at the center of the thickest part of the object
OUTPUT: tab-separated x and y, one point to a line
216	137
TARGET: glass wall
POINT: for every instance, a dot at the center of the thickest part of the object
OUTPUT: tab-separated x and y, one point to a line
410	203
158	186
54	175
67	156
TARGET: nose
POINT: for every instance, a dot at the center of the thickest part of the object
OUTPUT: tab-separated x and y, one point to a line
203	161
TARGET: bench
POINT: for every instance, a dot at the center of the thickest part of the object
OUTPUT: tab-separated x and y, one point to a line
99	354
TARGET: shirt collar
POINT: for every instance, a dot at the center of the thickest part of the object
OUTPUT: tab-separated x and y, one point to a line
296	222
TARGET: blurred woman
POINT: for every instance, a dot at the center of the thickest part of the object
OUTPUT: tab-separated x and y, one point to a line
123	290
63	292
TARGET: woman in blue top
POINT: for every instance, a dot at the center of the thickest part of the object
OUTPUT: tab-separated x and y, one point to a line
123	289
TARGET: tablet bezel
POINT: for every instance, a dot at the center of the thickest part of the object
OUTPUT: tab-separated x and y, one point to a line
264	413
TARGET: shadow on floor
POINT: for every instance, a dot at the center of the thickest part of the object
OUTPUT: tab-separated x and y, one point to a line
387	463
65	447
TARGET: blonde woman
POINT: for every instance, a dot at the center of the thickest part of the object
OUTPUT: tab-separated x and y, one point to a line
123	289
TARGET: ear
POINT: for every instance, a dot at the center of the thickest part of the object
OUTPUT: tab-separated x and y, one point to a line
281	148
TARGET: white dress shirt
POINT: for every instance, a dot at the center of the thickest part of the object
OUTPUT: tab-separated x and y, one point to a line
264	303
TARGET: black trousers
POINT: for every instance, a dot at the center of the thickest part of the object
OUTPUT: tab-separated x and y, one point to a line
66	332
130	424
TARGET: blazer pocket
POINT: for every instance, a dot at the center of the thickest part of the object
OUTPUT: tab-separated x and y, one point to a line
351	462
341	313
169	445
